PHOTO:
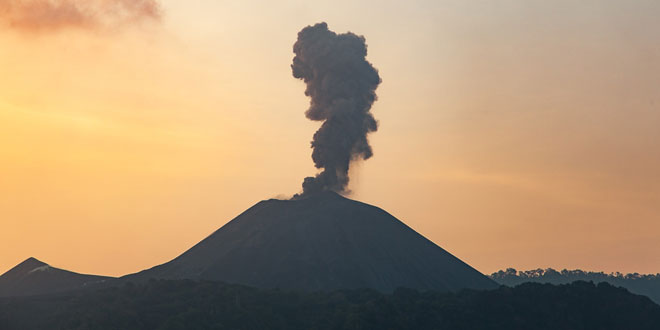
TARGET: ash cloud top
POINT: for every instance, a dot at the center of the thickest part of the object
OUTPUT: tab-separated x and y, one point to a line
342	86
53	15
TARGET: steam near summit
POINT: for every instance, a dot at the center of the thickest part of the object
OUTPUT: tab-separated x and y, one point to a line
342	86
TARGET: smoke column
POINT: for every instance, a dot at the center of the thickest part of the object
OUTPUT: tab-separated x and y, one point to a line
342	86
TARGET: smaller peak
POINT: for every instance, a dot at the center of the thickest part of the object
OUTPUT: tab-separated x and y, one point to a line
32	262
25	267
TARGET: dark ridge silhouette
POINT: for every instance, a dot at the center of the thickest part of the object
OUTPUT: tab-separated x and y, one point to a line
185	304
321	242
33	277
644	284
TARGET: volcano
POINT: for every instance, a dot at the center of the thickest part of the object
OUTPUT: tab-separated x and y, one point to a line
33	277
321	242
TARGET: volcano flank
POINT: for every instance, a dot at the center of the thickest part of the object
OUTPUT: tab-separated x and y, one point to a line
321	242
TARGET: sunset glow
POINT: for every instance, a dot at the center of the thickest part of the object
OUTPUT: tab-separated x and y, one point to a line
512	133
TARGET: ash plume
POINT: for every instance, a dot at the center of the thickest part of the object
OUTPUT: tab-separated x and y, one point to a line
53	15
342	86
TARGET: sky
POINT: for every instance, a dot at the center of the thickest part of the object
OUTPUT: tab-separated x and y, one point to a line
512	133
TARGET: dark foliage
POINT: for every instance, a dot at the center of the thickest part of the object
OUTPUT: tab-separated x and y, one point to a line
212	305
644	284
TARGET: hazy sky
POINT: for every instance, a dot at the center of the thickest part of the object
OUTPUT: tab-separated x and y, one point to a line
512	133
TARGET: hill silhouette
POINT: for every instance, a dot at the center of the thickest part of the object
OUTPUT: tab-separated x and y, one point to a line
644	284
321	242
186	304
32	277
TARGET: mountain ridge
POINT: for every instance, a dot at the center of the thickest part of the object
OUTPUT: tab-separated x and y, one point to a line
644	284
35	277
320	242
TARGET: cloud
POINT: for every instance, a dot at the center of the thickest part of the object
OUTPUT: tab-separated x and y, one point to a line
54	15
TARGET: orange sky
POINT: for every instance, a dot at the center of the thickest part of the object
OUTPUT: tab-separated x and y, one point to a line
512	133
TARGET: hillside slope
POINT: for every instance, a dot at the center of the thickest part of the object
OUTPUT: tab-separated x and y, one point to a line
33	277
322	242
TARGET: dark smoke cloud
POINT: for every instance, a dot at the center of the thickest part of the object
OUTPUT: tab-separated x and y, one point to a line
342	86
53	15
